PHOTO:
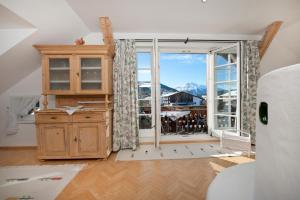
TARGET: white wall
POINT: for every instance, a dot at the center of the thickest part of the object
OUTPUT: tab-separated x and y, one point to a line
284	49
30	85
11	37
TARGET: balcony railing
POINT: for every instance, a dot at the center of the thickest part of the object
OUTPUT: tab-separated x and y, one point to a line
183	120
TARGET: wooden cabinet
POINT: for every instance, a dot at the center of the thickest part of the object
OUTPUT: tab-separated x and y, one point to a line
66	136
72	69
76	75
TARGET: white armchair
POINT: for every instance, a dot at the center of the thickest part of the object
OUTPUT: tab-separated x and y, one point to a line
233	141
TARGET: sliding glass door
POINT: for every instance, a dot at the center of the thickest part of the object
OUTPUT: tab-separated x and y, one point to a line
226	87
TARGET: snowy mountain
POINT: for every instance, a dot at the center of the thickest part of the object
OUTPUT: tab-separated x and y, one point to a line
164	89
193	88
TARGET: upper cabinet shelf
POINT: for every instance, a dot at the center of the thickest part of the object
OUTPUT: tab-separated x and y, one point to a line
76	69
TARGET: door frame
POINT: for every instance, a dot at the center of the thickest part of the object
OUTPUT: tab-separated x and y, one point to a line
177	50
154	47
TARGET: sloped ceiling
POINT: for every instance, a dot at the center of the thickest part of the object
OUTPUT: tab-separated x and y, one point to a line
284	49
187	16
13	29
9	20
27	22
53	22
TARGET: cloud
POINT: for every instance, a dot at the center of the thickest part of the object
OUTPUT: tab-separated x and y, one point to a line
144	66
201	58
144	72
184	58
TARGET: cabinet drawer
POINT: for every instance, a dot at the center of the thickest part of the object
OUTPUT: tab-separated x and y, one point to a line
52	118
89	117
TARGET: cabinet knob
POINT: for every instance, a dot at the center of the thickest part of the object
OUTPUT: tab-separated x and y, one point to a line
87	117
77	73
75	139
52	117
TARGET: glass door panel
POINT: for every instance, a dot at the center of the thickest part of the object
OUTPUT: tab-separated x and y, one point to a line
226	56
90	70
223	122
59	73
226	106
226	88
225	73
183	94
145	93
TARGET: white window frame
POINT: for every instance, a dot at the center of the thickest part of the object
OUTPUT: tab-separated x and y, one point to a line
212	107
147	135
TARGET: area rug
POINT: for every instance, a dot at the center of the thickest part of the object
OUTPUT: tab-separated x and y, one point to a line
175	151
38	182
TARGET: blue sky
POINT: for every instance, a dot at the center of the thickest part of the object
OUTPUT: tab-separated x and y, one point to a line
176	69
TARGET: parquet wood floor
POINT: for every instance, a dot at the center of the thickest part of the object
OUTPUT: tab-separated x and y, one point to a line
135	180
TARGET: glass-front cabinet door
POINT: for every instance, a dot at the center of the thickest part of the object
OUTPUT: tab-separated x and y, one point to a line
58	74
90	74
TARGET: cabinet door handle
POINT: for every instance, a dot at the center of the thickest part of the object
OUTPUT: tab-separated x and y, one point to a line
75	139
77	73
52	117
87	117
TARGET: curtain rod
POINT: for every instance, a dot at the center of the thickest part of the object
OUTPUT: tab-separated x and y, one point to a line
189	40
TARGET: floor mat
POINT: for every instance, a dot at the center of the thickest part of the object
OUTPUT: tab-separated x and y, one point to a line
176	151
35	182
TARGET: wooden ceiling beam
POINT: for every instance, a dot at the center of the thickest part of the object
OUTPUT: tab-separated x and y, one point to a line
106	28
269	35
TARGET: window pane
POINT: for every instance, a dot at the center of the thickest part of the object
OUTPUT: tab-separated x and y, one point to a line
226	73
226	90
145	122
226	56
225	122
145	106
143	60
226	106
144	75
144	90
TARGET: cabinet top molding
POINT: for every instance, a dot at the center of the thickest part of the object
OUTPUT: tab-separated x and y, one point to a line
74	49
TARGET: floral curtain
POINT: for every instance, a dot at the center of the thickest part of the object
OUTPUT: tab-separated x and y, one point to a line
125	121
249	78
